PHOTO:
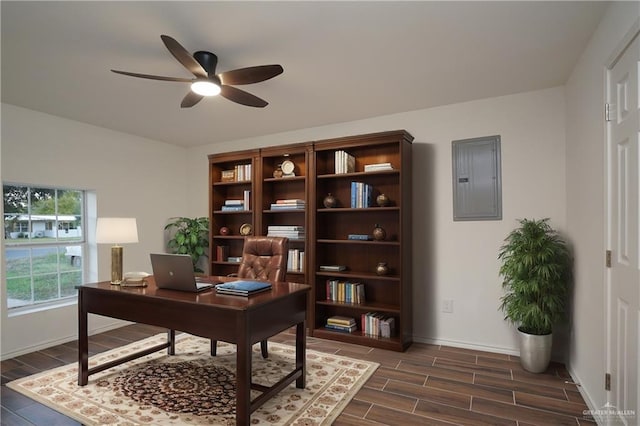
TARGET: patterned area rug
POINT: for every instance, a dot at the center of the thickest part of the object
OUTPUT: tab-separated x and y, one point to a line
194	388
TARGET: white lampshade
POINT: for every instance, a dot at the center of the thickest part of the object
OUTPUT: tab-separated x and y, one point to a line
116	230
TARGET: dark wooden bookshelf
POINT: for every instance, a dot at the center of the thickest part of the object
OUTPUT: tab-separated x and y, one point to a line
326	229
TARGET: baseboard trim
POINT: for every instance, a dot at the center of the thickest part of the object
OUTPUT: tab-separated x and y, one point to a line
595	408
54	342
467	345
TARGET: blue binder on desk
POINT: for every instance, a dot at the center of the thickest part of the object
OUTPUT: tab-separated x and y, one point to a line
243	287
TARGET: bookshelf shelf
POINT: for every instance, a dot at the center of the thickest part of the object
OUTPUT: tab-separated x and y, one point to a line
326	230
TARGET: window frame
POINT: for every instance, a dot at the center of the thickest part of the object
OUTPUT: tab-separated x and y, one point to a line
58	244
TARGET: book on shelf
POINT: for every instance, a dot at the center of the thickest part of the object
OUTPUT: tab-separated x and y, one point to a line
344	291
237	208
290	231
295	260
234	202
376	324
285	228
246	199
243	287
239	173
361	195
377	166
234	259
275	206
228	176
222	253
290	201
333	268
362	237
243	172
344	162
341	320
341	328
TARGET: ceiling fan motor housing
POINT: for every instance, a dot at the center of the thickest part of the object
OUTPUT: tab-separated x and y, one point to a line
208	60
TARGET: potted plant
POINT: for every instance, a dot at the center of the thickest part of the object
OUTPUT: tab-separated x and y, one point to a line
189	236
536	272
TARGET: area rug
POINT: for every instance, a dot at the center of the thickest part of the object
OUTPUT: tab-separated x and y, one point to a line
194	388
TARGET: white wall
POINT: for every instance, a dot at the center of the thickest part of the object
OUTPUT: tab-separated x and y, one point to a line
131	176
585	171
455	260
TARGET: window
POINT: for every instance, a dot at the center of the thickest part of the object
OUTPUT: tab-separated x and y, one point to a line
44	241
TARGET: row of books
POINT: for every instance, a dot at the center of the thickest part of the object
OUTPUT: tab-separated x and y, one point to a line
361	195
240	172
345	291
288	204
376	324
295	260
344	162
237	204
341	323
293	232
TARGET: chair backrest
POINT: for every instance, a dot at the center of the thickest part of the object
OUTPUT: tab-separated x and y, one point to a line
264	258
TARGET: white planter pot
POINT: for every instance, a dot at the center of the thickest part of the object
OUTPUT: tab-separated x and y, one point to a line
535	351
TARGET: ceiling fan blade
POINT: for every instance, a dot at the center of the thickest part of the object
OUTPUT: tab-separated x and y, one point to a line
154	77
183	56
190	99
242	97
251	74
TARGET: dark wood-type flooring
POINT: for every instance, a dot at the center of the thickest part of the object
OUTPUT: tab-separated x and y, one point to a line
426	385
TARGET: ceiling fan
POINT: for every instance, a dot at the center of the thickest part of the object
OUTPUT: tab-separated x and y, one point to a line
202	65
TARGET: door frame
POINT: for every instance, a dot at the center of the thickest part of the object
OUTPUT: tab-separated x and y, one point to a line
612	60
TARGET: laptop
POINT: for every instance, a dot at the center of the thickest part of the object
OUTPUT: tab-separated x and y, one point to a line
175	272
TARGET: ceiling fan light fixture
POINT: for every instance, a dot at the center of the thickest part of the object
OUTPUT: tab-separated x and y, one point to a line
205	88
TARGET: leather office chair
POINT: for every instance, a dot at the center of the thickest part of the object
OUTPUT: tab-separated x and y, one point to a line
263	258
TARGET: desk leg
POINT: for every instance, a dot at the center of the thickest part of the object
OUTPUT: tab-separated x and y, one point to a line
83	343
243	376
301	349
171	340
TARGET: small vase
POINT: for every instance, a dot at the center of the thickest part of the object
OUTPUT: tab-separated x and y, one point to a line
379	233
382	268
382	200
224	231
330	201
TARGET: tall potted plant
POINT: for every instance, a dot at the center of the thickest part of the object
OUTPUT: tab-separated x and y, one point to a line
536	274
189	236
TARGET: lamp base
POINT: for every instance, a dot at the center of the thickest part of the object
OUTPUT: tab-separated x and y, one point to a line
116	265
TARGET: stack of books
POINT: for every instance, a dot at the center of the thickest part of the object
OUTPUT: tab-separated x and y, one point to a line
288	204
234	259
293	232
295	260
377	167
243	287
361	195
344	291
342	324
344	162
376	324
237	204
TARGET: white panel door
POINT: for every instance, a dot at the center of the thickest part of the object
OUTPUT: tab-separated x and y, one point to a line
624	234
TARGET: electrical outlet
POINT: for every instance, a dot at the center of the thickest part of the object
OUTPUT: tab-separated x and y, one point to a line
447	306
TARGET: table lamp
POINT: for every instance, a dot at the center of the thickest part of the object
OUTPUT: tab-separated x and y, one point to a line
116	230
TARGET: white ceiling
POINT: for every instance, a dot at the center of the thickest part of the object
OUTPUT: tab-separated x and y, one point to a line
342	61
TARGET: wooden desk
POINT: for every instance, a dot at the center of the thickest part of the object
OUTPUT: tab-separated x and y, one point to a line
234	319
